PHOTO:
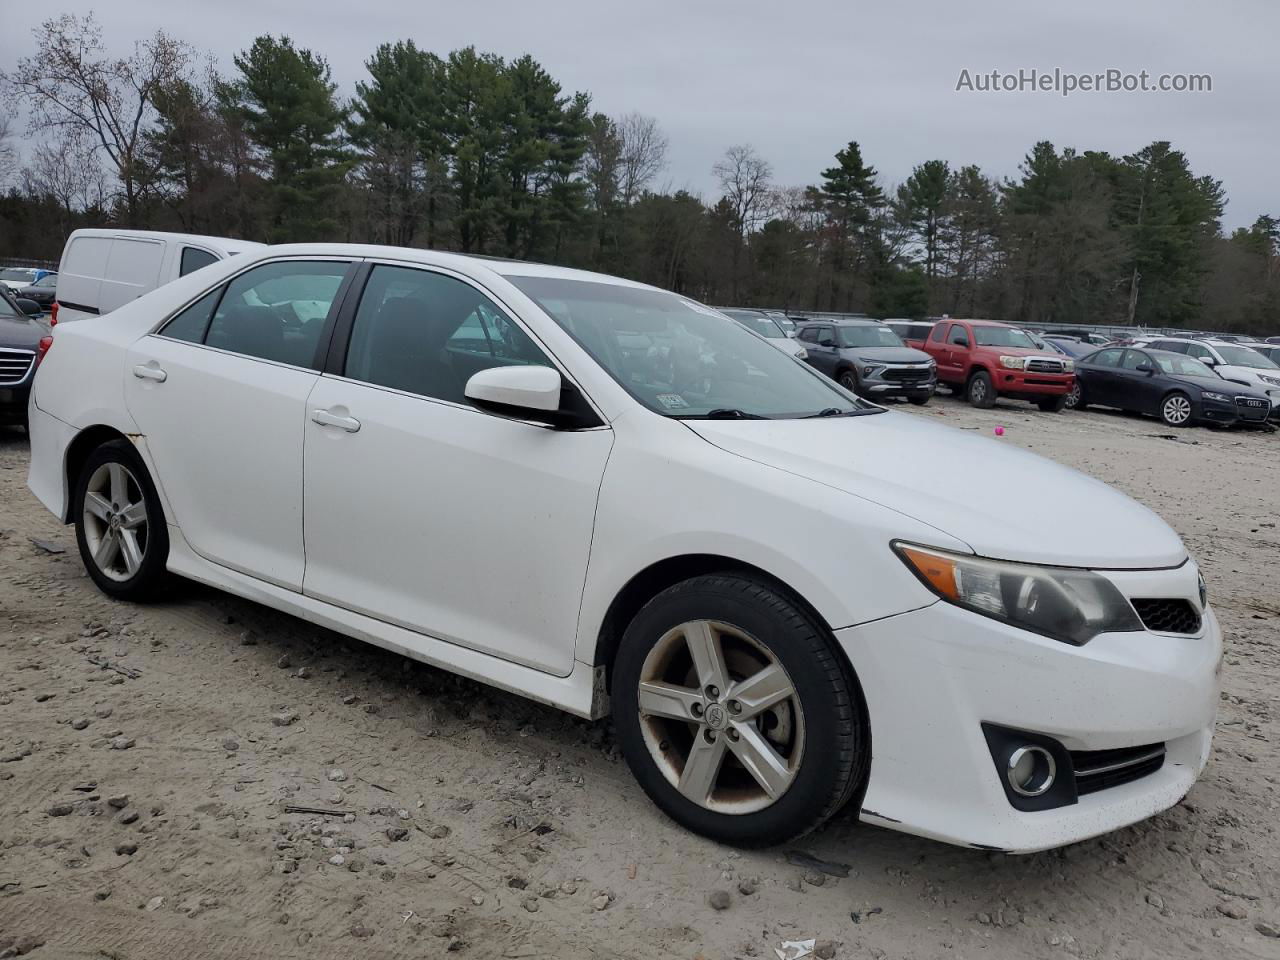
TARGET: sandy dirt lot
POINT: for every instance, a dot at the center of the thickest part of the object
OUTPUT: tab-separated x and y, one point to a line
151	757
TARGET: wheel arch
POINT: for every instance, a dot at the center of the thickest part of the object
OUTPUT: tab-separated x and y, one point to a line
660	575
78	450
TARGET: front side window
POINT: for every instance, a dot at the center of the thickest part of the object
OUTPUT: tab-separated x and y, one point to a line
869	336
277	311
1199	352
679	358
1133	360
809	335
193	258
958	336
1002	337
427	333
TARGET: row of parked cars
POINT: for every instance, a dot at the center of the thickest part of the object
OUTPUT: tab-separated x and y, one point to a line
1181	380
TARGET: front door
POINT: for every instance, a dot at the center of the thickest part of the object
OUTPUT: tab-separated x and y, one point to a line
426	512
220	395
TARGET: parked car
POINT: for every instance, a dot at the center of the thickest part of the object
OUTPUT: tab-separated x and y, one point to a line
912	332
1269	350
1230	361
1069	347
14	278
102	270
759	322
1179	390
869	359
42	291
781	319
987	360
747	566
1088	336
20	350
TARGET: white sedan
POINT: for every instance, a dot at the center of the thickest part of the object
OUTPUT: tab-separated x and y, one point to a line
605	497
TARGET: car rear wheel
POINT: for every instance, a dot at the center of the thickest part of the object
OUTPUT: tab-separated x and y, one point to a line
981	392
736	713
120	528
1175	410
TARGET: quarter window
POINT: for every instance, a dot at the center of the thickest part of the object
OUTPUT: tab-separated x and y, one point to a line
427	333
193	258
277	311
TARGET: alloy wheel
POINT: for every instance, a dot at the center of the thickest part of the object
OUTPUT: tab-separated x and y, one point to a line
978	390
1073	398
721	717
1177	410
115	521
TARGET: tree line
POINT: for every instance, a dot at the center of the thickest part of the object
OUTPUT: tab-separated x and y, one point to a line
477	153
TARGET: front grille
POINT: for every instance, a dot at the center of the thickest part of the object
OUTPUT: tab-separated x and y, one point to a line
1164	615
1251	408
1102	769
907	375
1043	365
15	364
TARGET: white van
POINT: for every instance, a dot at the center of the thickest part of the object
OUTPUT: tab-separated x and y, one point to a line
105	269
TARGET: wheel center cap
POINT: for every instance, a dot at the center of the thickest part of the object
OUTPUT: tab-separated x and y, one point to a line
717	717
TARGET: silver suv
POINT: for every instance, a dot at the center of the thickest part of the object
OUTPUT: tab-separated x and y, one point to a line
867	357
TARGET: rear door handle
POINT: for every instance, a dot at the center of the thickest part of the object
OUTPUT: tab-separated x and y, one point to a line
150	371
327	419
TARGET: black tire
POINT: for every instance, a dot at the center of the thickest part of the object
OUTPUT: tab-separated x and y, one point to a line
836	734
151	576
848	378
1176	410
1075	399
1052	404
981	392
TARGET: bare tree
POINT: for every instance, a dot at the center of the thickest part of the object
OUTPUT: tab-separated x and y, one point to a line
745	181
67	171
8	155
70	82
642	154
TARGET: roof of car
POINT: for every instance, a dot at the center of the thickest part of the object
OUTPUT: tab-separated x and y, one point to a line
844	322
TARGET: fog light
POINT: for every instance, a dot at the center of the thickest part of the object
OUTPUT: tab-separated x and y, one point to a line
1031	770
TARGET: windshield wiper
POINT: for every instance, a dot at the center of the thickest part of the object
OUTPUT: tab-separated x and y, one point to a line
837	412
722	413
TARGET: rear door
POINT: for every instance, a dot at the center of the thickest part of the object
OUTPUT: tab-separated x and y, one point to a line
220	395
424	511
1100	381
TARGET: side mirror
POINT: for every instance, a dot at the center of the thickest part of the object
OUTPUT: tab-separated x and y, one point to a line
826	342
29	307
1209	361
516	389
1145	368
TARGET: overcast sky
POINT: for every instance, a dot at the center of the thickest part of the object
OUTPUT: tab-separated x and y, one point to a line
799	79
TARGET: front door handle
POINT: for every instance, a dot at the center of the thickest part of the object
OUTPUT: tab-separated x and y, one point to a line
150	371
327	419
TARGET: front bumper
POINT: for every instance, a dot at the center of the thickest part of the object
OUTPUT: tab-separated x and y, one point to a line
904	381
1022	383
1218	411
933	677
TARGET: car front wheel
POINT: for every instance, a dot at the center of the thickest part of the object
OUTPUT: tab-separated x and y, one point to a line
1075	399
982	393
736	713
1175	410
849	380
120	528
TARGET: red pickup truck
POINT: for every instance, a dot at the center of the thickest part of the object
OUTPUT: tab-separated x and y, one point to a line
988	360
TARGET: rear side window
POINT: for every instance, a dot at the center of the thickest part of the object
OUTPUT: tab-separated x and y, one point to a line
192	323
427	333
1106	358
277	311
958	336
938	332
193	258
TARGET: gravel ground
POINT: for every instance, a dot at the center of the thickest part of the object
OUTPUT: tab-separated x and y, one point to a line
151	760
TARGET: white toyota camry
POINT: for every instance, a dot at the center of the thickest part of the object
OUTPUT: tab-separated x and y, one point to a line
612	499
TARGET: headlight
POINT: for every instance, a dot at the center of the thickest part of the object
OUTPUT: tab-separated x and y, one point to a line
802	354
1210	395
869	369
1013	363
932	363
1274	381
1064	603
1068	365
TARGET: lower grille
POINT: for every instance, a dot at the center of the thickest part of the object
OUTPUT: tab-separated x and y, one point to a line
1164	615
1102	769
15	365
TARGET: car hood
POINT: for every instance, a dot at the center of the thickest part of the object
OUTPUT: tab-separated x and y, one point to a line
890	354
985	492
1217	383
20	333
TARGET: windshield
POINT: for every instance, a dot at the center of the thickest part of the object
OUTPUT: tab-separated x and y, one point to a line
17	276
758	322
1244	357
1002	337
682	359
1183	366
869	336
